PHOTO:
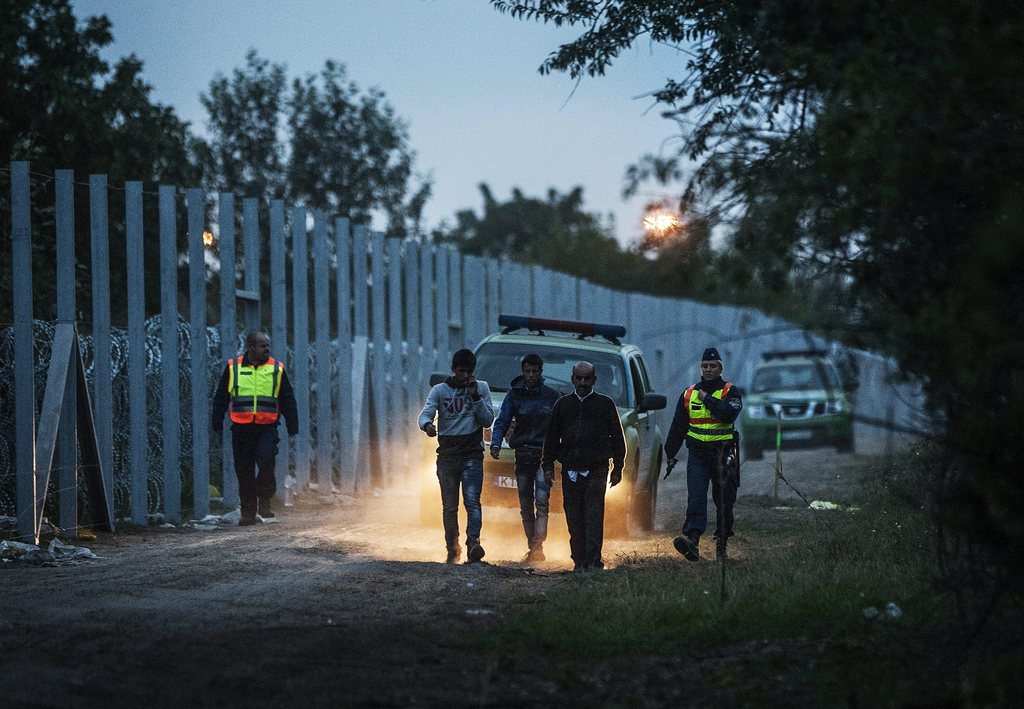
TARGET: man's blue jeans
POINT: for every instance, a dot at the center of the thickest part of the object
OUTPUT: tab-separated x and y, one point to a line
534	494
469	473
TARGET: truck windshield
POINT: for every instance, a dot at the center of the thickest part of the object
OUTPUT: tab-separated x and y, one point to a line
498	363
800	377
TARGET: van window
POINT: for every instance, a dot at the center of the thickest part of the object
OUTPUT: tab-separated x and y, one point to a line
498	363
796	377
638	382
648	386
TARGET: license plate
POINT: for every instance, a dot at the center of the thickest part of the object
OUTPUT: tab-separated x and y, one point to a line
504	481
796	435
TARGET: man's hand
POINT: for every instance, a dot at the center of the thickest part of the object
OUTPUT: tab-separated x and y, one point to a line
670	463
471	386
616	476
429	429
549	475
495	452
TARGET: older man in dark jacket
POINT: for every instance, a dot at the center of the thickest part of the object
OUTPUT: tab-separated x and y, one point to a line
584	434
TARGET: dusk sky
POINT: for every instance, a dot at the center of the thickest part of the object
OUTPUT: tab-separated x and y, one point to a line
462	75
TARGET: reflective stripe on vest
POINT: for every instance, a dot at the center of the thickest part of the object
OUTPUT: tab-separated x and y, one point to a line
254	391
703	426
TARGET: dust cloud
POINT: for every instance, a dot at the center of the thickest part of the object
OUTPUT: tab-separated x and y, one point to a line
390	526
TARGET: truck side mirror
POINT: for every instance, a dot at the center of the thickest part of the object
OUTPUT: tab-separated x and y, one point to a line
653	402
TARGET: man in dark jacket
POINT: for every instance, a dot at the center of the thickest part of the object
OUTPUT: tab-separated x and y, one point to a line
526	409
256	392
704	418
584	433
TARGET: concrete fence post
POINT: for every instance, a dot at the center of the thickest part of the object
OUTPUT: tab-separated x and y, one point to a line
200	374
67	437
138	418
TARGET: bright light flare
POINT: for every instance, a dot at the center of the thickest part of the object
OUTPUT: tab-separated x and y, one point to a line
660	222
208	239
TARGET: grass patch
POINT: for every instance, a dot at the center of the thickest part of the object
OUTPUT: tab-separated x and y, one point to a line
803	619
806	581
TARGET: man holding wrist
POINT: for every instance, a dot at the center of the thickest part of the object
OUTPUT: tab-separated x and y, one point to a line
524	416
583	435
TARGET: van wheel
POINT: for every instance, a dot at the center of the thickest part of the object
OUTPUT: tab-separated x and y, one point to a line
645	503
617	520
642	514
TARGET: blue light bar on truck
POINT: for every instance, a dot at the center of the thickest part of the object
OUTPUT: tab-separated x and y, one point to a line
511	323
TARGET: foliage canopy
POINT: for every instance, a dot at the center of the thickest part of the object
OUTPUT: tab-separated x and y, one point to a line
323	142
64	107
869	156
557	232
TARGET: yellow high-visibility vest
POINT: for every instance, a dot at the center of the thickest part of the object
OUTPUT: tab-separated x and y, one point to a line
703	426
254	391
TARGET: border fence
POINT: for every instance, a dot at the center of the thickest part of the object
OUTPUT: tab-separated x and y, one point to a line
361	323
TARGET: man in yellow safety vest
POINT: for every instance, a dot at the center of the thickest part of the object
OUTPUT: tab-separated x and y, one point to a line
704	419
254	390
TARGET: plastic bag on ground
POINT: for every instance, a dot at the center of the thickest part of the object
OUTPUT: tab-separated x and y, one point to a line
56	554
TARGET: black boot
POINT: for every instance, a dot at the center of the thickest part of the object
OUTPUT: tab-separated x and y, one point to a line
473	549
454	554
248	515
720	545
264	510
536	553
688	547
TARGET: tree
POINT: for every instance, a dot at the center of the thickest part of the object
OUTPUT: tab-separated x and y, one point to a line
554	232
350	152
876	148
323	143
557	233
64	108
245	153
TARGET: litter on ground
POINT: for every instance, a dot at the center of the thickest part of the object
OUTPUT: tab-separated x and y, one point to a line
822	505
57	553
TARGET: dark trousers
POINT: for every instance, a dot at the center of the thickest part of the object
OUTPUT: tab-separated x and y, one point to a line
704	465
254	446
583	501
534	496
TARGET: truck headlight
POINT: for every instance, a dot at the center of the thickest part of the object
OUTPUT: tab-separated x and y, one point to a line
758	411
835	407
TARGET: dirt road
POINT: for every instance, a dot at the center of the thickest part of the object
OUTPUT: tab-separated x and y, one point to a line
343	604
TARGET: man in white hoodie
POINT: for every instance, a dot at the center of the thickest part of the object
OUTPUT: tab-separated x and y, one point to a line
463	408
